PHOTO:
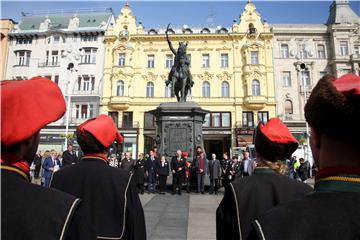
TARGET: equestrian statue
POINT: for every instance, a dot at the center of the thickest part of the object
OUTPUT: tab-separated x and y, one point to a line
179	76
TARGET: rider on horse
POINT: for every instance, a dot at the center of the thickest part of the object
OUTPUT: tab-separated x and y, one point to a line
179	75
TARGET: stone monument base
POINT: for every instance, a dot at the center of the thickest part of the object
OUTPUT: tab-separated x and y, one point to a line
179	126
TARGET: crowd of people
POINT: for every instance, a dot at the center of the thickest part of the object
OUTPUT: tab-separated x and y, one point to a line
97	196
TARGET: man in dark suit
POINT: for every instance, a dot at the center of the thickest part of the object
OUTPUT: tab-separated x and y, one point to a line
50	165
214	171
332	211
152	164
177	169
61	215
128	163
69	156
201	169
110	196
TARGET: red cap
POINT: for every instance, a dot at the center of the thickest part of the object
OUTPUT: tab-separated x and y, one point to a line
103	129
274	141
348	84
27	106
185	154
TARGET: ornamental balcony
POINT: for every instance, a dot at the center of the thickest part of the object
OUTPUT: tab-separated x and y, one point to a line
355	57
255	102
119	103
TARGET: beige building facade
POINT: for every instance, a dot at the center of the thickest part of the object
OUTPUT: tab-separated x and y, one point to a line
330	48
232	69
6	26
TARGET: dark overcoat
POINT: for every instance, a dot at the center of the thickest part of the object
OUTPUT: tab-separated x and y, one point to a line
247	198
139	171
32	212
110	197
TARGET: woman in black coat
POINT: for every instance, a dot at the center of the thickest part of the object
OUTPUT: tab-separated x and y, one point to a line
163	172
140	173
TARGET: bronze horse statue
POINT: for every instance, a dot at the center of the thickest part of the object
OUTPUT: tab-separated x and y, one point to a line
179	76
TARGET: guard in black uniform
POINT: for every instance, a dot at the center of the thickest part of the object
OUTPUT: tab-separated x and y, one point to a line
247	198
109	194
29	211
332	211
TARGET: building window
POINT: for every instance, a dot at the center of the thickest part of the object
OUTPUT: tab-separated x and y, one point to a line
86	83
206	60
56	79
88	38
255	87
21	41
344	49
321	51
89	56
149	120
288	107
357	49
263	117
225	89
224	60
120	88
206	89
127	120
150	89
305	78
151	61
115	117
84	111
168	90
122	59
254	57
217	119
248	119
188	56
284	50
303	51
23	57
286	77
169	61
56	39
54	58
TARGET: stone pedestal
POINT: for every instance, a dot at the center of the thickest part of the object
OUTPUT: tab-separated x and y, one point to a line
179	126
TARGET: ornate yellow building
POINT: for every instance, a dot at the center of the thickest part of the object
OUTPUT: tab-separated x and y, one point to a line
232	69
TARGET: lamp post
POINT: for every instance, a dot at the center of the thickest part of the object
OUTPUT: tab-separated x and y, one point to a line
303	68
72	57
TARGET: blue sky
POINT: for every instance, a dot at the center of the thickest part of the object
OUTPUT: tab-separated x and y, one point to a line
156	14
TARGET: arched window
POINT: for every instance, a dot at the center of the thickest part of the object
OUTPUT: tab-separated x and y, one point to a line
120	88
255	88
206	89
288	107
150	89
168	90
225	90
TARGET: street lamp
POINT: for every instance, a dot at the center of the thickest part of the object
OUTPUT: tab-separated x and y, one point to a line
72	58
303	67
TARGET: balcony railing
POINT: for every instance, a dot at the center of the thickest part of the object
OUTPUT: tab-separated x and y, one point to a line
292	117
355	57
85	92
129	125
49	64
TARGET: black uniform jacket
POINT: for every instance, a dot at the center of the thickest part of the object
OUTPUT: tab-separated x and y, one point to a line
332	212
247	198
29	211
109	195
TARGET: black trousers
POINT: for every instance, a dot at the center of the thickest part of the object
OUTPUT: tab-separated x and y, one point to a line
212	181
177	181
140	187
162	182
